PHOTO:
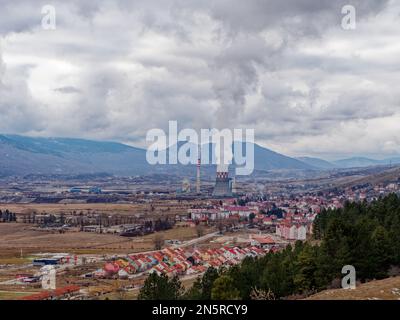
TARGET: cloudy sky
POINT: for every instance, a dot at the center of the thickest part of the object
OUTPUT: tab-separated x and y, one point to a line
287	68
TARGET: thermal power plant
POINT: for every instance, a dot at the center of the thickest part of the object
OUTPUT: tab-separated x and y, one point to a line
223	185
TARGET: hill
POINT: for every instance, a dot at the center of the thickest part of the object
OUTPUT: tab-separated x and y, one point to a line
318	163
25	155
386	289
266	159
364	162
385	176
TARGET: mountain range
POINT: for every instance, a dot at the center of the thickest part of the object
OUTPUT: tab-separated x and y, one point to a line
354	162
21	155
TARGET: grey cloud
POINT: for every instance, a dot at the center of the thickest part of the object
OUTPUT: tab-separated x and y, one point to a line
19	111
67	90
301	17
128	66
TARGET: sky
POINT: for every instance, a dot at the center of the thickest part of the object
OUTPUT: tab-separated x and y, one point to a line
287	69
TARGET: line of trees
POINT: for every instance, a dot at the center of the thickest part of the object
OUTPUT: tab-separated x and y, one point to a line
366	236
7	216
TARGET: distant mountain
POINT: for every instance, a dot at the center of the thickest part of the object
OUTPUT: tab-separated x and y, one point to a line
266	159
364	162
356	162
20	155
394	160
317	163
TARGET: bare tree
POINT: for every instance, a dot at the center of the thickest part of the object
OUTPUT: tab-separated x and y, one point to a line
258	294
200	230
220	227
158	241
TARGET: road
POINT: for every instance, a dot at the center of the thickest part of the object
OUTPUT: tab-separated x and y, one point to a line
196	240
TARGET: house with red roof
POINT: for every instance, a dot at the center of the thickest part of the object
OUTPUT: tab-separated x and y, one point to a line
57	294
262	241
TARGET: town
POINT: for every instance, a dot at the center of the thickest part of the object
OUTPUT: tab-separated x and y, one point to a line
103	241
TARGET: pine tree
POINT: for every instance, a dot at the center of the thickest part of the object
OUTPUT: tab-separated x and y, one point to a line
160	288
304	279
380	250
224	289
207	282
195	292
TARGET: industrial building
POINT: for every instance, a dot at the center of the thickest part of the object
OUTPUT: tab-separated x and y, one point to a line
223	184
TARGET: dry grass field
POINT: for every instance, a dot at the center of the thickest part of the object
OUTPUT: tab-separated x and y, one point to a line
13	295
170	207
386	289
17	236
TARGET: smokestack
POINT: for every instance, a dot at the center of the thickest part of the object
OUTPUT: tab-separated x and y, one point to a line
198	171
223	185
234	190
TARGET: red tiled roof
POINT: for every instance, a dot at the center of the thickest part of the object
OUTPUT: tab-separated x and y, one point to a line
38	296
264	240
48	294
237	208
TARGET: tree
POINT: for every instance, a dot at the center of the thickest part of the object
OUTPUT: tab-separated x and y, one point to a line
62	218
277	275
245	276
160	287
158	241
380	253
207	282
258	294
199	230
306	264
251	217
195	292
394	234
224	289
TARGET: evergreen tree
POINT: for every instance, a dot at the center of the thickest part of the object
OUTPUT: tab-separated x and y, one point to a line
306	266
160	288
380	252
207	282
224	289
195	292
